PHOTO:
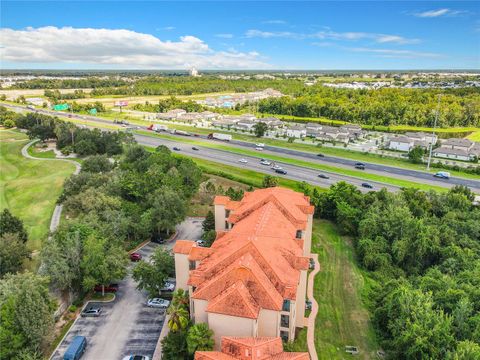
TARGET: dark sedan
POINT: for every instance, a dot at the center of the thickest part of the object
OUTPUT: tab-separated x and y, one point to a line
323	176
367	185
281	171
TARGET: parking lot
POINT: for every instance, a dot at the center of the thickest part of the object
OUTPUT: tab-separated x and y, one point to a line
126	325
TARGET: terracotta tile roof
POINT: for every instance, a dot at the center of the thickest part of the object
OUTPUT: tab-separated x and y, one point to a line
249	348
183	246
260	255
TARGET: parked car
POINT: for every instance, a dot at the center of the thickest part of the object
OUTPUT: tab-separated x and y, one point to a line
158	239
93	311
265	162
112	288
136	357
76	348
323	176
135	256
201	243
243	161
281	171
158	303
176	148
195	148
308	305
168	286
367	185
320	155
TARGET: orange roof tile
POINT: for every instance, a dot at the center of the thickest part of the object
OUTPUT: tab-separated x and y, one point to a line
183	246
235	301
260	253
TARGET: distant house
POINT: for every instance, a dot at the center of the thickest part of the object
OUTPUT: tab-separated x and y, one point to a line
296	131
460	144
313	129
401	143
355	131
36	101
449	153
245	125
272	122
423	139
177	112
458	149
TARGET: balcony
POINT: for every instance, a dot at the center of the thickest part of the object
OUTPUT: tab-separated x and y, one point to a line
285	321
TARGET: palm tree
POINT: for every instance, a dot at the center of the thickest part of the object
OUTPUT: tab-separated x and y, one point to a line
179	318
180	298
200	338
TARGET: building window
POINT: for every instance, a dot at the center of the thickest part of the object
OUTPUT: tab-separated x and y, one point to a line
285	321
299	234
192	265
286	305
227	213
226	224
284	335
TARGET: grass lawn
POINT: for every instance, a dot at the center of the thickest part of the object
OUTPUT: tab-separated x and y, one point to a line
29	188
339	288
475	136
305	163
33	151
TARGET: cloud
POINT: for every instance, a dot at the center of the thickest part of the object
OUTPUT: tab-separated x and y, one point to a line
332	35
224	36
439	12
394	53
275	22
169	28
117	47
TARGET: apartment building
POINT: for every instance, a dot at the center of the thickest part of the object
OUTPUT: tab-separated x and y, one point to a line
252	281
244	348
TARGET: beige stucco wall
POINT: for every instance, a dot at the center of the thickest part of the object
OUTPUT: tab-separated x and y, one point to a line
268	323
307	246
219	217
300	300
225	325
181	271
199	307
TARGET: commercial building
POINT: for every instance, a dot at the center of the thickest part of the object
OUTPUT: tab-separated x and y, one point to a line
240	348
252	281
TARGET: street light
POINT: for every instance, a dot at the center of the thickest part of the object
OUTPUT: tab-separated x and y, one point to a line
433	133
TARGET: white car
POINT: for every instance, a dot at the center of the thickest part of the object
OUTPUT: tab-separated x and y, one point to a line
201	243
243	161
265	162
136	357
260	145
169	286
276	167
259	148
158	303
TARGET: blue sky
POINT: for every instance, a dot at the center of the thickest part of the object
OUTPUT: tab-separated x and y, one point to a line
240	35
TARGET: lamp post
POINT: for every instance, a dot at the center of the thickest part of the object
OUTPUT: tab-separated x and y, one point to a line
433	133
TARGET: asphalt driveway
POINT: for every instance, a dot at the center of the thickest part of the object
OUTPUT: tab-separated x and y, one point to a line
126	326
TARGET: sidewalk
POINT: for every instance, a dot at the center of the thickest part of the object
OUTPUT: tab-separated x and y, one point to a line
311	319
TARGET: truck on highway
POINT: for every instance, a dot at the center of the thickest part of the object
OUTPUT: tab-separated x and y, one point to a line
442	175
220	136
157	127
180	132
260	145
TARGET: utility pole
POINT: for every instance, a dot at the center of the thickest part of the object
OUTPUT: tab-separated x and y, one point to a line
433	133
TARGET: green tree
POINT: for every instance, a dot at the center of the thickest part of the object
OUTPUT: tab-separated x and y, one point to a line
9	123
180	298
199	338
102	262
269	181
26	314
209	237
13	252
168	209
260	128
415	155
209	222
151	276
174	346
10	224
97	164
179	318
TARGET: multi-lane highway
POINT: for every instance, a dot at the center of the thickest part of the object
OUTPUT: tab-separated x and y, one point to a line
216	155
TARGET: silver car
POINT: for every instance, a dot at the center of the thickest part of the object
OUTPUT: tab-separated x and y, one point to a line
158	303
91	312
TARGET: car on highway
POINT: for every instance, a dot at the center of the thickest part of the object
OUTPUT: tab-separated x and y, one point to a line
442	175
367	185
320	155
323	176
112	288
260	145
195	148
136	357
259	148
176	148
265	162
168	286
92	311
197	135
243	161
359	164
158	303
360	167
135	256
276	167
281	171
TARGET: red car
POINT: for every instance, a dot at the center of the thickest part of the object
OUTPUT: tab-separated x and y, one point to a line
112	288
135	256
